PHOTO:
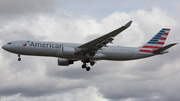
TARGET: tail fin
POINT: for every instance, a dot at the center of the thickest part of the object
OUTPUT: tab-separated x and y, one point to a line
156	42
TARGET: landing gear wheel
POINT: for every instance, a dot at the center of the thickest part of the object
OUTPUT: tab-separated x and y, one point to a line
83	66
92	63
19	59
88	68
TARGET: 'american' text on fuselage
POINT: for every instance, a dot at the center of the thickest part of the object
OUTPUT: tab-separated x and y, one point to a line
46	45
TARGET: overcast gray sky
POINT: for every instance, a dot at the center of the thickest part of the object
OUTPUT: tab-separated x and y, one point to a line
79	21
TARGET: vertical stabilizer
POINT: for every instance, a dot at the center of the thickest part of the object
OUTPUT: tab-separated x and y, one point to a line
156	42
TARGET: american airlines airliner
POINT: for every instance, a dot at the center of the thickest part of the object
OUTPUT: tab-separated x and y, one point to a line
97	49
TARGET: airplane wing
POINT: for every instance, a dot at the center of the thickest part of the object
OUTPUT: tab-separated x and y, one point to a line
96	44
163	48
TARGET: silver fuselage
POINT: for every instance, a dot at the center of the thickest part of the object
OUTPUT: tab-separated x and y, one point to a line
56	49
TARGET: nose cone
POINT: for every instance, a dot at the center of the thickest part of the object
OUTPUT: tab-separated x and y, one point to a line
9	48
4	47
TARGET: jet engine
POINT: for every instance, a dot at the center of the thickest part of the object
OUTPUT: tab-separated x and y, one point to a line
64	62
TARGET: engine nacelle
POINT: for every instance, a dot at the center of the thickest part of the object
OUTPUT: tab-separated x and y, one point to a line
64	62
69	51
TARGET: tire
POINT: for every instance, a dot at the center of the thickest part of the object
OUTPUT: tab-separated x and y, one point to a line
19	59
83	66
92	63
88	68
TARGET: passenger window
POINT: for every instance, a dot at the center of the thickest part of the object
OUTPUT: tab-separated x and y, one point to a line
9	43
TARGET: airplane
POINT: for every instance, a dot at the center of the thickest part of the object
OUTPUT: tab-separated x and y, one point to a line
95	50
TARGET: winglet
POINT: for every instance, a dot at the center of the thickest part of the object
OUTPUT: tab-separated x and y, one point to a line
128	24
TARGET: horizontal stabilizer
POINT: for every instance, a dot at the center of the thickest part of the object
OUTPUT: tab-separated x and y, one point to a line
163	48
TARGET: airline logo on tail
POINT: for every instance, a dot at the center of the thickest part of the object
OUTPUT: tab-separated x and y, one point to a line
156	42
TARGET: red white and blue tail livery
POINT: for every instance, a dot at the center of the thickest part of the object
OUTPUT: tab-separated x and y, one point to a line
156	42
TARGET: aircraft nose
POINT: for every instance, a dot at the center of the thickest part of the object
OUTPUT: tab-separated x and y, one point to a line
8	48
4	47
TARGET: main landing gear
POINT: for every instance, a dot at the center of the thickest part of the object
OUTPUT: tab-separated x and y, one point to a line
19	57
85	64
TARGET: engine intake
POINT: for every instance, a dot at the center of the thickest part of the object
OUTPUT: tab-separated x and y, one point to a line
64	62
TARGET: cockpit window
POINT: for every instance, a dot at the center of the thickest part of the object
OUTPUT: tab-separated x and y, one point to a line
9	43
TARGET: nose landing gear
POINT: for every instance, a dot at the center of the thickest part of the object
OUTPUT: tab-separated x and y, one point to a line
19	57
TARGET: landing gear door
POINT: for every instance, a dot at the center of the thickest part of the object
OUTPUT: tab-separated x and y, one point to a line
61	49
60	52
